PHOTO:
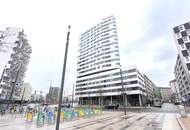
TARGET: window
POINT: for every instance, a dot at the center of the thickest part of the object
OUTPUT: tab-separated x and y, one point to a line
178	35
182	46
185	38
188	31
106	49
185	53
180	68
180	27
180	41
176	30
132	70
187	26
187	45
184	33
187	58
186	82
188	66
105	57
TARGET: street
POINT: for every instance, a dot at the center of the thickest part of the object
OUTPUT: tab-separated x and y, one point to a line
108	120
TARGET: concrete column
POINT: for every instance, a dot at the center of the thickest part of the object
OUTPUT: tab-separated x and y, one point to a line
126	100
81	101
140	100
91	101
99	101
111	99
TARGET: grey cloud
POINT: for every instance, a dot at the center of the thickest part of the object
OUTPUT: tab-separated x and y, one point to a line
162	16
165	53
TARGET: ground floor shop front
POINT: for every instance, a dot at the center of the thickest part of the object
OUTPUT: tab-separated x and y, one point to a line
131	100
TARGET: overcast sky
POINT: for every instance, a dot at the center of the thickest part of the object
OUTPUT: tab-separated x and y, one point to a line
144	33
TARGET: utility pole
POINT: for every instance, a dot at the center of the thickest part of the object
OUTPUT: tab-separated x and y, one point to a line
62	80
73	94
124	96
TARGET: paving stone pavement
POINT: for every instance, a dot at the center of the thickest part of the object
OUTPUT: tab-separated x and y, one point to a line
106	121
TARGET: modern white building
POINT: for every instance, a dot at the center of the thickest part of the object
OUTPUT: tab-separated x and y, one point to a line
166	94
98	49
38	96
15	58
182	67
175	90
150	87
107	88
53	95
26	92
98	69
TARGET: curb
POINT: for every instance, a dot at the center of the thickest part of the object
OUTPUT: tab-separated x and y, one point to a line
181	123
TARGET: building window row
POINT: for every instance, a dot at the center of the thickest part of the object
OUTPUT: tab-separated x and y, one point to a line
109	80
87	63
110	75
102	39
106	61
109	91
92	69
96	29
96	37
107	65
107	85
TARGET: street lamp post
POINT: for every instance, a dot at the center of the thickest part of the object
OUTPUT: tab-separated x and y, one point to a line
124	96
89	101
62	80
73	94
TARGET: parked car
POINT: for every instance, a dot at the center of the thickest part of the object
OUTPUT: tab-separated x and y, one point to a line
111	106
157	102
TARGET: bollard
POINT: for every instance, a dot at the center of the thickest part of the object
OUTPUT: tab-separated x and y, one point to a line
68	115
75	115
55	113
51	117
81	113
40	119
62	116
91	112
29	116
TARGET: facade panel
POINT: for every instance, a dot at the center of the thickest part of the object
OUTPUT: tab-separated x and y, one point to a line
182	67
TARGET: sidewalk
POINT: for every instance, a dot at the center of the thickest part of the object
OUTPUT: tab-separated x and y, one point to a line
184	122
